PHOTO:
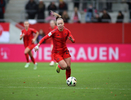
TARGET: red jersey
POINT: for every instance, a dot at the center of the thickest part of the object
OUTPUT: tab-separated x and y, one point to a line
50	29
59	39
29	35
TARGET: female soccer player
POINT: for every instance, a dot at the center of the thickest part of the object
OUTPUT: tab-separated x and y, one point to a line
28	38
52	27
60	51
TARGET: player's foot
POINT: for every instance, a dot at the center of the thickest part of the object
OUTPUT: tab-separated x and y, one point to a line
57	69
27	65
35	66
51	63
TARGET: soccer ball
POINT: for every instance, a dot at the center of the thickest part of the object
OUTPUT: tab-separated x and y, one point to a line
71	81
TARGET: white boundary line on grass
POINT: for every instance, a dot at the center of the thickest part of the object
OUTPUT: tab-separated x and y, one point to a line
67	88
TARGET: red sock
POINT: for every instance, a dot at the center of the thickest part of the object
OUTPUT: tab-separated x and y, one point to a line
52	57
68	73
27	58
33	60
59	66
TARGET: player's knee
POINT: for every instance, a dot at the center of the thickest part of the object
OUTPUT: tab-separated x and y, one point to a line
68	67
25	53
64	67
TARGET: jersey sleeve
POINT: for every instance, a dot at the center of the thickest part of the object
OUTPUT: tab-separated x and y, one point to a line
50	34
70	35
33	30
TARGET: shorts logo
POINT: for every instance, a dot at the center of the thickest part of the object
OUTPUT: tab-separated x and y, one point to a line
65	33
57	58
57	34
50	34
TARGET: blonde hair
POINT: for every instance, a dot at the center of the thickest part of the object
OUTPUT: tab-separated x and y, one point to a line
53	21
26	21
59	19
56	15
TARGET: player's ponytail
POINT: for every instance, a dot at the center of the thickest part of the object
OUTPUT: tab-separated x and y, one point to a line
56	15
58	18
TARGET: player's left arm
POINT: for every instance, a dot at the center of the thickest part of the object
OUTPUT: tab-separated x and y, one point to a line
50	34
37	33
21	35
71	38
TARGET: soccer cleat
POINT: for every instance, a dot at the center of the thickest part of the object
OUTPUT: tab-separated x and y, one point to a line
27	65
51	63
35	66
57	69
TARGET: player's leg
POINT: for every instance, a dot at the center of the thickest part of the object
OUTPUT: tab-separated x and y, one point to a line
27	57
68	69
67	59
52	59
61	65
33	60
31	56
64	64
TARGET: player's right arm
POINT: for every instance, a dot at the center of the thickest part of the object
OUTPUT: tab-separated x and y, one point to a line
71	38
21	35
43	39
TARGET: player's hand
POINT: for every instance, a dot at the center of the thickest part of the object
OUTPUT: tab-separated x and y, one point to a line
70	38
36	48
33	40
22	36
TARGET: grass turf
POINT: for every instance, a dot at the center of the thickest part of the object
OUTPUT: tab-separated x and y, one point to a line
95	81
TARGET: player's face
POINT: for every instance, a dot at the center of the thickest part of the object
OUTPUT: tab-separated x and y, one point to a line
60	24
26	24
52	24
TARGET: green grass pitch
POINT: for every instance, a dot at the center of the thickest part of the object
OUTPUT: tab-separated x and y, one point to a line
95	81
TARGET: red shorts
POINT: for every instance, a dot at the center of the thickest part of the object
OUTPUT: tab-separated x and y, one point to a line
60	56
31	46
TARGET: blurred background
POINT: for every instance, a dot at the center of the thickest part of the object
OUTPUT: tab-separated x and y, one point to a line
90	21
88	10
102	31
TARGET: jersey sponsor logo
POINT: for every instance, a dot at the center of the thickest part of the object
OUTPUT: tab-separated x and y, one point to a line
57	34
49	34
60	38
65	33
